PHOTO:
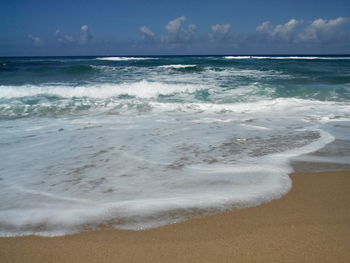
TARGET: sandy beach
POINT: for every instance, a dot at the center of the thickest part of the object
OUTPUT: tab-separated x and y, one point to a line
174	132
309	224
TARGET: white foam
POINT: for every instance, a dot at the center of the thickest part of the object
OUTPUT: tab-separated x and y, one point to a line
286	57
251	73
178	66
237	57
267	106
141	89
136	170
125	58
87	155
240	187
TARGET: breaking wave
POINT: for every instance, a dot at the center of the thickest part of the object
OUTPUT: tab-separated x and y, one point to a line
178	66
287	57
141	89
139	144
124	58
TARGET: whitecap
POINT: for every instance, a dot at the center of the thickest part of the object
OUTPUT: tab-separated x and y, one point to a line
124	58
283	57
141	89
176	66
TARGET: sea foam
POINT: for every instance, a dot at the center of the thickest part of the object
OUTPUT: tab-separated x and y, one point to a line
284	57
135	172
178	66
144	144
141	89
124	58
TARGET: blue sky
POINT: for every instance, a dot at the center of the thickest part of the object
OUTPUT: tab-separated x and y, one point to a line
147	27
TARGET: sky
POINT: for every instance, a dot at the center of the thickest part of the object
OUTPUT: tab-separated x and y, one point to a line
150	27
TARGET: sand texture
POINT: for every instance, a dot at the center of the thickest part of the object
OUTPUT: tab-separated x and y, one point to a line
309	224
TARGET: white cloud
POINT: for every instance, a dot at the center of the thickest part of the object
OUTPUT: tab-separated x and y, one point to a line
219	31
84	28
146	32
36	40
323	30
176	34
264	28
294	35
282	32
82	39
187	34
174	26
66	39
57	33
85	35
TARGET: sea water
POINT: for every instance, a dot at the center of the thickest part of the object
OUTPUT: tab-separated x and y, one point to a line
140	142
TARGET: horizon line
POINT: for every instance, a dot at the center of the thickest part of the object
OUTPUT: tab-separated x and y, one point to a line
177	55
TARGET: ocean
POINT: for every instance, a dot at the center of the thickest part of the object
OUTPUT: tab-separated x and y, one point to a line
141	142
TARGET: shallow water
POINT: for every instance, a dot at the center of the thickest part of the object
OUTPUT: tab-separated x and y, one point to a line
140	142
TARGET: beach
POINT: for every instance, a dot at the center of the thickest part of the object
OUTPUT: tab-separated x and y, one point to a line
311	223
176	132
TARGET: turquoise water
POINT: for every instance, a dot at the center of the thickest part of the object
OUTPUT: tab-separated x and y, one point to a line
39	86
130	140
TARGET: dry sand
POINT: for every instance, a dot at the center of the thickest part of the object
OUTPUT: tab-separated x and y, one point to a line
310	224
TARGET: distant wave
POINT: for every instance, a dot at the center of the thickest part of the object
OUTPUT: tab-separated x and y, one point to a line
287	57
141	89
124	58
178	66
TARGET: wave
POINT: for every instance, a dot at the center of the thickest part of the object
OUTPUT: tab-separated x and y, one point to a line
169	170
176	66
141	89
262	106
124	58
286	57
249	73
45	105
238	57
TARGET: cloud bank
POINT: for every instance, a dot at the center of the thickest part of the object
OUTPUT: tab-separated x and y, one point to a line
85	35
280	32
146	32
318	31
83	38
293	35
177	36
38	42
323	30
219	32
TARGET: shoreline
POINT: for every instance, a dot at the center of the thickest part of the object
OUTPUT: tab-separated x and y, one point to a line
311	223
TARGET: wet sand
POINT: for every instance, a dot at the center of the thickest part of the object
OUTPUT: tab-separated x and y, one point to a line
309	224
